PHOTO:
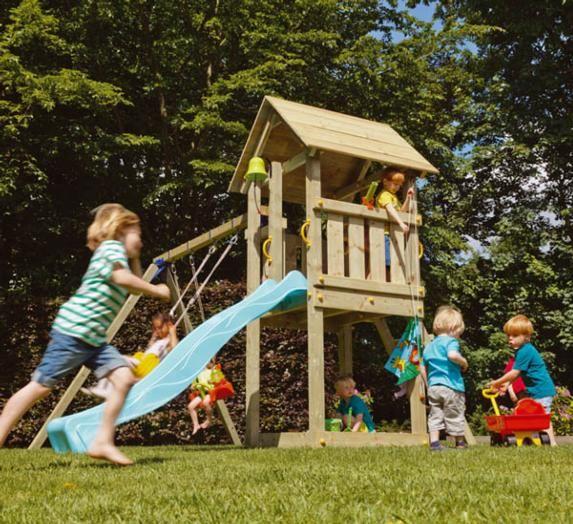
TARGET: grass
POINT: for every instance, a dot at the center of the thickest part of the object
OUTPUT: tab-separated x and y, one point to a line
220	484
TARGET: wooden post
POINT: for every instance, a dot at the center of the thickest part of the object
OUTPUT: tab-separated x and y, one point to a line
84	372
314	315
417	405
275	268
345	349
254	328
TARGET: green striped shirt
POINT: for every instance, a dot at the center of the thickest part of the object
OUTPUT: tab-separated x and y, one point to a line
92	308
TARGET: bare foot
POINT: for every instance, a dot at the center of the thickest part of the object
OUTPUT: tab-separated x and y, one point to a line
110	453
205	424
196	429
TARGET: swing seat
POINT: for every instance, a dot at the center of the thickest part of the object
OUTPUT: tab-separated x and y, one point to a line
146	364
224	389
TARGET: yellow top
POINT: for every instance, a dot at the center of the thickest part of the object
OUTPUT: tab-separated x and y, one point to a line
385	198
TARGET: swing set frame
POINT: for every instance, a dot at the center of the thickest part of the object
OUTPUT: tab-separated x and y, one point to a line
206	239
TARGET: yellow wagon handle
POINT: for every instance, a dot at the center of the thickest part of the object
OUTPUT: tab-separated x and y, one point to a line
266	245
304	232
492	394
420	250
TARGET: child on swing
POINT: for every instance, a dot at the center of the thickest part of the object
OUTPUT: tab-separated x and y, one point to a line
209	386
163	340
78	335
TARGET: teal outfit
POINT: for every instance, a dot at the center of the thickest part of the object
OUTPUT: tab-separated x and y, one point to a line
440	369
358	407
534	372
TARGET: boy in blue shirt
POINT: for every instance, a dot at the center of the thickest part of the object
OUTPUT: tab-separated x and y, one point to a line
442	369
349	400
529	365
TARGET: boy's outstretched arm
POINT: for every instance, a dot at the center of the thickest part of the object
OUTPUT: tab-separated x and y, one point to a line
393	214
135	285
510	376
454	356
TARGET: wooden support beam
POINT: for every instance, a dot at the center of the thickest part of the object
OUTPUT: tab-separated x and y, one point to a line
315	317
333	324
348	192
341	439
228	423
366	286
275	265
294	163
84	372
205	239
416	396
348	300
363	170
385	335
252	385
345	350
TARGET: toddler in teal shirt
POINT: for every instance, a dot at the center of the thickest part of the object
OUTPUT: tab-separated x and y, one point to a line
351	408
529	365
442	369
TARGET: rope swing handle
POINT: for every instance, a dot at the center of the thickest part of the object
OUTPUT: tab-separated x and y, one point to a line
304	232
266	245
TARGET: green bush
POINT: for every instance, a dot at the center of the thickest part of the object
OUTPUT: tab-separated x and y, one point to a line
562	412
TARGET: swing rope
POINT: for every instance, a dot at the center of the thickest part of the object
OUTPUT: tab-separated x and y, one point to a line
211	251
197	294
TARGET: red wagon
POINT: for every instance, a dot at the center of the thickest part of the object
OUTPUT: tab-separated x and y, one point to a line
525	427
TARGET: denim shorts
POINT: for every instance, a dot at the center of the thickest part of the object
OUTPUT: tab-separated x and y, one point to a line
65	353
546	403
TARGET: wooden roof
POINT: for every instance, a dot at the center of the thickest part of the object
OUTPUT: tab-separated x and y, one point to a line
283	129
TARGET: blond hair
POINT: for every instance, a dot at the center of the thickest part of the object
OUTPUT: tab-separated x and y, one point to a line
344	379
109	222
518	325
393	174
448	320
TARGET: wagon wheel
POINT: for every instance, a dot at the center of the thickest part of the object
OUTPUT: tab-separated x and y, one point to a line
544	437
495	439
510	440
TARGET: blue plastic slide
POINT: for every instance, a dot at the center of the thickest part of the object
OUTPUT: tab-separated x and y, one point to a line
178	369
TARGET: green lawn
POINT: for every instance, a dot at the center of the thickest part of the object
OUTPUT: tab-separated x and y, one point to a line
225	485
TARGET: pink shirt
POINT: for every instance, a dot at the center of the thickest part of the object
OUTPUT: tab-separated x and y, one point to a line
518	385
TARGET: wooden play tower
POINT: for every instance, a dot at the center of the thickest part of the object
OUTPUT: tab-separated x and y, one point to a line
321	160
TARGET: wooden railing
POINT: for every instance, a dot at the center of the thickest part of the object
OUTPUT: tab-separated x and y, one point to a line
356	246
